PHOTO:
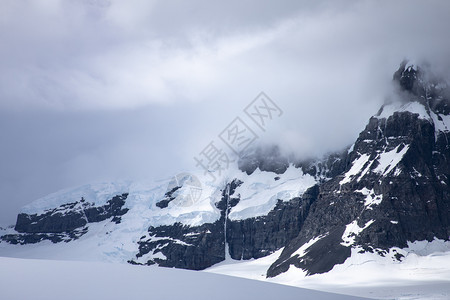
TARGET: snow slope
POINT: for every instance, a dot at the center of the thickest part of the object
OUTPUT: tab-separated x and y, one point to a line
398	106
424	273
23	279
260	191
441	121
259	194
107	241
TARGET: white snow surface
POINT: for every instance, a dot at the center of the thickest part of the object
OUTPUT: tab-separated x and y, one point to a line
141	201
423	273
304	248
260	192
356	168
23	279
441	122
387	161
371	197
110	242
398	106
97	193
351	231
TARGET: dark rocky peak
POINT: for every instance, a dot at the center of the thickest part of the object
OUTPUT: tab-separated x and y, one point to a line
390	188
325	168
266	158
394	187
420	84
407	76
271	159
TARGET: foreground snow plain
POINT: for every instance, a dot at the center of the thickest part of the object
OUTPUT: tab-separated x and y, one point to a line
423	273
23	279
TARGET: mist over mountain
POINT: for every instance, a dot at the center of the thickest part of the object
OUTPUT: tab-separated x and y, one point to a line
382	201
103	90
300	143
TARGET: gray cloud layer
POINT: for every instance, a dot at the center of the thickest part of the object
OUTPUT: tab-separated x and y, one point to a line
100	90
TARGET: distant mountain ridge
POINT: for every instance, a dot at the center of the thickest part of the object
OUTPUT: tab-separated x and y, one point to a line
390	187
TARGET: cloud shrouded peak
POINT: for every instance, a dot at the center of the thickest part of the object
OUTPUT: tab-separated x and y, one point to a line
98	90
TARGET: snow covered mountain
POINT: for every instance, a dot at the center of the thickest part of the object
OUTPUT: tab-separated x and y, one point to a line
389	190
394	189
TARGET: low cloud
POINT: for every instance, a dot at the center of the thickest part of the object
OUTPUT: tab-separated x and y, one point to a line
100	90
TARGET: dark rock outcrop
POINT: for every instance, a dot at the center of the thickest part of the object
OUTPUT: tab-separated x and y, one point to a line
260	236
412	197
267	159
326	168
168	197
181	246
199	247
66	222
391	187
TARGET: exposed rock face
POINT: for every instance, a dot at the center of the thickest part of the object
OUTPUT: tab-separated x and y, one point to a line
202	246
168	197
260	236
188	247
270	159
182	246
327	168
266	159
391	187
407	77
33	238
395	188
66	222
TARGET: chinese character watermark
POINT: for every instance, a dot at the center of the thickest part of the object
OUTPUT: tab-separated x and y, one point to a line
212	159
262	110
184	189
238	136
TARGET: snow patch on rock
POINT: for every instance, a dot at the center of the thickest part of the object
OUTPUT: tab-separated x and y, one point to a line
260	192
303	249
356	168
397	106
371	197
351	231
387	161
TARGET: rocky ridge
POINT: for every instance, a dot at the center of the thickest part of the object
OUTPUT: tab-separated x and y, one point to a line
390	187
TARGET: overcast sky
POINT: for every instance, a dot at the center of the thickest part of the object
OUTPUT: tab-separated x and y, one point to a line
95	90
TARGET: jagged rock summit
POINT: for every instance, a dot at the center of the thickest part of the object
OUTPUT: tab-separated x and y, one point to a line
390	187
394	189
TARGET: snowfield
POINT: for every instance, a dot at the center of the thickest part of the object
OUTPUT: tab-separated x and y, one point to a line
94	266
423	273
24	279
259	194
